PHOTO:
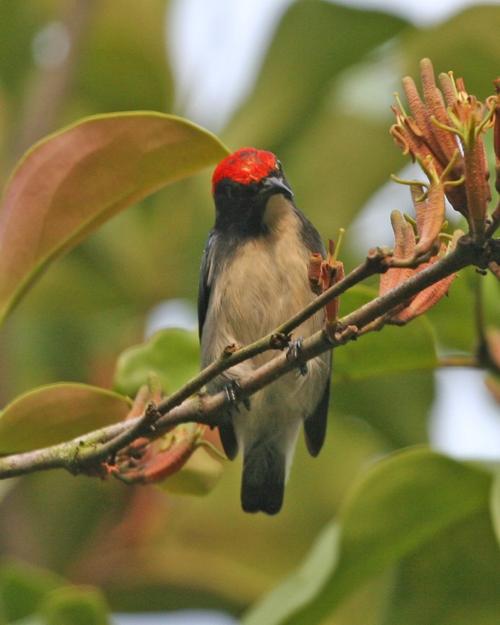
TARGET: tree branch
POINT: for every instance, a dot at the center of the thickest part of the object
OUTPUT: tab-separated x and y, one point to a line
85	451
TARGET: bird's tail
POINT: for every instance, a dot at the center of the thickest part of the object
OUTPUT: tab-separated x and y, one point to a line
263	480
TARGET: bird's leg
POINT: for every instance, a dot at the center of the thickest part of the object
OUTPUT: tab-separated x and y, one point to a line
294	353
232	391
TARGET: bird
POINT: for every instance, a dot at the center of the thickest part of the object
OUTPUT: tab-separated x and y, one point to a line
253	277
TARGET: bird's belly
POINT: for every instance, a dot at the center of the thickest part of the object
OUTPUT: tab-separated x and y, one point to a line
265	283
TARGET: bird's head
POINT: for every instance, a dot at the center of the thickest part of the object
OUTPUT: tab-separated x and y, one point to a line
242	184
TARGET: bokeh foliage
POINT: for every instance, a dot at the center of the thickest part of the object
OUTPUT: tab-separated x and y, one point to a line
426	518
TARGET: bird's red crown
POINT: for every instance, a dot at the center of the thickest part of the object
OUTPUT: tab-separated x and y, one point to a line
245	166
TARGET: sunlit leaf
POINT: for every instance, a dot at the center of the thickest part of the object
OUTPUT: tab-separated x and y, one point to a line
56	413
399	504
171	354
74	180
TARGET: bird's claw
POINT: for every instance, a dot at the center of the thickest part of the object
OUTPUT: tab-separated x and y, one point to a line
294	354
233	394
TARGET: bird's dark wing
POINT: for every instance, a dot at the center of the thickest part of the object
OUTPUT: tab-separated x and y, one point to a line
315	424
310	236
226	431
204	285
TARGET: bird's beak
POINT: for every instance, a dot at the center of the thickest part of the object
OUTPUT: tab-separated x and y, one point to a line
274	185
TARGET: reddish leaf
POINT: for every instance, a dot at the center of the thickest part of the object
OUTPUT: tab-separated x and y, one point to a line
72	181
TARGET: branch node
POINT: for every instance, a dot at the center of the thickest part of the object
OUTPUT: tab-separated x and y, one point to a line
279	340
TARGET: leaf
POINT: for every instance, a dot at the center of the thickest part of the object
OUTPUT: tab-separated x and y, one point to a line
57	412
451	580
295	79
78	605
22	589
71	182
385	375
394	350
171	354
400	504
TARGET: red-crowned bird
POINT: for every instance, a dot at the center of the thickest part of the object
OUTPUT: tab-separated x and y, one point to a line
254	276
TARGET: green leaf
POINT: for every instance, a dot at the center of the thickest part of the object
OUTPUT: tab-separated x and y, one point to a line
312	46
22	589
57	412
400	504
457	332
71	182
172	355
75	605
451	580
397	363
394	350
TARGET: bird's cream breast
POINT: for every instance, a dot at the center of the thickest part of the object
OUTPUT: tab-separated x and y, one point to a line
265	282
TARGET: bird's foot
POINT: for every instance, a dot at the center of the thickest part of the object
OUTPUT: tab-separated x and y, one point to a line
233	393
294	353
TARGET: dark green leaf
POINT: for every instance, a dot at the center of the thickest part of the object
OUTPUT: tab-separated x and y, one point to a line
452	580
394	350
400	504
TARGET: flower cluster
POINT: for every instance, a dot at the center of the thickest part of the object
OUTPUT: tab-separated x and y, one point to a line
444	134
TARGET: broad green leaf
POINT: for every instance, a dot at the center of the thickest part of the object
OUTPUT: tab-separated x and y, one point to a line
386	378
171	354
57	412
393	350
400	504
312	45
457	332
22	590
396	405
75	605
452	580
74	180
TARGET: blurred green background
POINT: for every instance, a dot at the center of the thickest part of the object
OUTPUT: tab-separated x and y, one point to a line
320	100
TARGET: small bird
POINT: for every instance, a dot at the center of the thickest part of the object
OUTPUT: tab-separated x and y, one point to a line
254	276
